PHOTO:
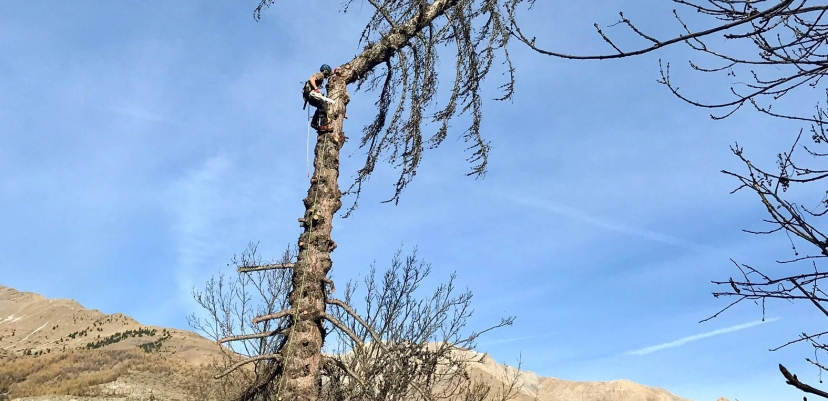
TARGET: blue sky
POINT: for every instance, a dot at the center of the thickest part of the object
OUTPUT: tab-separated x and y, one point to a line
143	144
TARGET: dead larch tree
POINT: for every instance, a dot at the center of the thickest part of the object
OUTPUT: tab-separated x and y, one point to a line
787	51
399	60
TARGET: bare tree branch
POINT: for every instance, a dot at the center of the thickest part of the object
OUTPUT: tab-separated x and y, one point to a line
353	314
272	316
344	329
810	297
794	381
789	36
266	267
249	336
232	368
657	44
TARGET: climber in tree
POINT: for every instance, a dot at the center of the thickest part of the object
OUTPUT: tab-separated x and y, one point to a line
313	95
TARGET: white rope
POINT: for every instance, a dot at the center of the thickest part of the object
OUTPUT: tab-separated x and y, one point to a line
307	149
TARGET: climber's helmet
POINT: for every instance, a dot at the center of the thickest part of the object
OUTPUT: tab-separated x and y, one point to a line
325	69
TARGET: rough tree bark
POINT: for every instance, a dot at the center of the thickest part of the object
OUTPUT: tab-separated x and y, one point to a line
303	352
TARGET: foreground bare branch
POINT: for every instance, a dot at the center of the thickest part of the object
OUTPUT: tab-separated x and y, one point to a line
788	40
803	230
794	381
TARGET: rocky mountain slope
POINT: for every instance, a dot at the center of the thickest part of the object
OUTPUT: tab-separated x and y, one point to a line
63	332
32	324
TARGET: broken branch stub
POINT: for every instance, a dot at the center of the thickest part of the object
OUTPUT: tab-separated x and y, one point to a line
272	266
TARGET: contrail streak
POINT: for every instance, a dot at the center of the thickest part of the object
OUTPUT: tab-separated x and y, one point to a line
571	212
689	339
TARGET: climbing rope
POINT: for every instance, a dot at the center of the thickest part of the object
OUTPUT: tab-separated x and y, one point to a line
302	284
307	149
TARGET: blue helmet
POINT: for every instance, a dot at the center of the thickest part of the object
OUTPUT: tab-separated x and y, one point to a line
325	69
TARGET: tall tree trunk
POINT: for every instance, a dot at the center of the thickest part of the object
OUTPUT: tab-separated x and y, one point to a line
302	355
303	352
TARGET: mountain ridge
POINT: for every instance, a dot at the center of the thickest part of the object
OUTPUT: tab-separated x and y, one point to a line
32	325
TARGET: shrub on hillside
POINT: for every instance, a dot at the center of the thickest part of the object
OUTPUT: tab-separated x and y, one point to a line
75	372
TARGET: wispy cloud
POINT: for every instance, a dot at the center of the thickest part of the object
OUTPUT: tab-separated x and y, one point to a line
689	339
200	201
577	214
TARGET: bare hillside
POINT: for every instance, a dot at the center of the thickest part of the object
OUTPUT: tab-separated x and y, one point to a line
33	324
42	338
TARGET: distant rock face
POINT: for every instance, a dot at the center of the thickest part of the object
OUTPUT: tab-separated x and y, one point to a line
534	387
31	323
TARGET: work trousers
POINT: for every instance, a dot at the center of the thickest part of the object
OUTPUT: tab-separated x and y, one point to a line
315	99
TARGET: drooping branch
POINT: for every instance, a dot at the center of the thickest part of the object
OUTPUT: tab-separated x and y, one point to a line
406	38
232	368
